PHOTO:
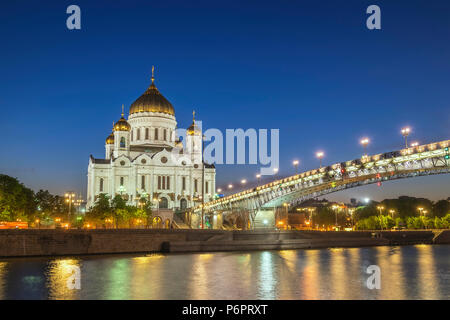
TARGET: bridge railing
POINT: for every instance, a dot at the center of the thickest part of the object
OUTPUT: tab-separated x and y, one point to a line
364	166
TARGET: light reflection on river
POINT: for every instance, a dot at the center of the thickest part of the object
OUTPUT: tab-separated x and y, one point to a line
409	272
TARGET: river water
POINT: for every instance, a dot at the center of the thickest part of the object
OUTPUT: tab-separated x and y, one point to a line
407	272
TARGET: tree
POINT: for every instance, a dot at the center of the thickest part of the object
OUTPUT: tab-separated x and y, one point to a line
16	200
119	210
100	210
441	208
146	211
446	221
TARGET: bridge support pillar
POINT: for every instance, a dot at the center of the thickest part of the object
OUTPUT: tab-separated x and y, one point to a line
216	220
265	218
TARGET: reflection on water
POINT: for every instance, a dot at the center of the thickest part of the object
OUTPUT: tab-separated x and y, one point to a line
409	272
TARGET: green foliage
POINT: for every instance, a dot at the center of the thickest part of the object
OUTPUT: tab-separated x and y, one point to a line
441	208
50	206
100	210
378	223
16	200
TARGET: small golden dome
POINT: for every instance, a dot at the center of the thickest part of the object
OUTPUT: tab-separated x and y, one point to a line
122	124
110	139
152	101
193	130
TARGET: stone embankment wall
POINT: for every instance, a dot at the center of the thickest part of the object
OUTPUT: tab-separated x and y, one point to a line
20	243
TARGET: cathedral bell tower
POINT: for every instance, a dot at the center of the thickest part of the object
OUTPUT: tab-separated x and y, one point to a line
194	141
122	137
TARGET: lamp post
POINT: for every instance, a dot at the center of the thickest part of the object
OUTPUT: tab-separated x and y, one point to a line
364	142
295	163
392	212
380	208
351	211
275	171
405	132
70	198
420	210
335	207
320	155
258	178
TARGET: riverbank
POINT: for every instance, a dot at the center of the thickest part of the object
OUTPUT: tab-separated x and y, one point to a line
26	243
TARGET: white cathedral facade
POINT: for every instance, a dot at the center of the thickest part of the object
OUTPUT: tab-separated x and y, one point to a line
145	158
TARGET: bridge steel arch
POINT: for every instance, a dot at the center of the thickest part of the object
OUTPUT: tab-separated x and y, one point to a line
411	162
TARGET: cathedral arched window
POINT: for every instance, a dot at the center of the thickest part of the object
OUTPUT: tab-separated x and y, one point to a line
146	133
165	135
101	184
122	142
164	203
183	204
138	134
156	133
132	131
121	181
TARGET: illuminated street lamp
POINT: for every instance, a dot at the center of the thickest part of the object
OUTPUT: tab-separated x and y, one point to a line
219	190
320	155
335	207
157	201
380	208
414	144
311	215
392	212
365	142
351	211
258	177
405	133
275	170
70	198
295	163
243	181
230	186
420	210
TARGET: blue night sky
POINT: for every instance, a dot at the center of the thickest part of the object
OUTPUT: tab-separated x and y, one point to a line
310	68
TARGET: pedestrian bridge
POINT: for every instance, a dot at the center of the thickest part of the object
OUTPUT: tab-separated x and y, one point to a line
411	162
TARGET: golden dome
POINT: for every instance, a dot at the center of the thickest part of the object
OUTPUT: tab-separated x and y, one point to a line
122	124
110	139
193	129
152	101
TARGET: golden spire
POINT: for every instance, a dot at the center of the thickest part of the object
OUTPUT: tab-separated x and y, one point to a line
122	110
193	116
153	74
